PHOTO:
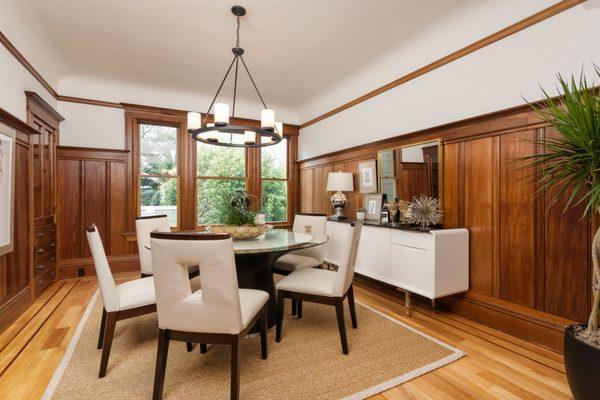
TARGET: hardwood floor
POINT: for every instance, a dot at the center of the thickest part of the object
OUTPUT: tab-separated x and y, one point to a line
497	366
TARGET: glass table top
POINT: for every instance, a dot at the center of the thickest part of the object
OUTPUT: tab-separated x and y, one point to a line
277	240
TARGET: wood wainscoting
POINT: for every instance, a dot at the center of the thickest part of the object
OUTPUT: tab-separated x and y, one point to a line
92	188
530	267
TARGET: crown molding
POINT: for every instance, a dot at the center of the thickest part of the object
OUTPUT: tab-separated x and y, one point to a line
486	41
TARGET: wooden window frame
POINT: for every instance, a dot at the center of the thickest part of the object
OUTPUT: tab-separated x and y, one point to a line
286	179
186	165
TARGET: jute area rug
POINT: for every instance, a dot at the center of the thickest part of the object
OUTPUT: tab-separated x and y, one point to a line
307	364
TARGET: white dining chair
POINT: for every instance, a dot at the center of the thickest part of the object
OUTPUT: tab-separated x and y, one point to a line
304	258
324	286
124	301
219	313
143	227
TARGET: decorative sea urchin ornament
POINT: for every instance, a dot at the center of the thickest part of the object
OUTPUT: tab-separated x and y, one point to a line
425	211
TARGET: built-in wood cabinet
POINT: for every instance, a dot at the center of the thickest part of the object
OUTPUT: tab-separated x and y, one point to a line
45	120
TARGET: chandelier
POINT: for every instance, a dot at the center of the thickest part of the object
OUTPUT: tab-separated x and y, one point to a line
220	132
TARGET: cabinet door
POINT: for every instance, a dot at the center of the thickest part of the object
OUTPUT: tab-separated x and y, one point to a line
373	258
413	269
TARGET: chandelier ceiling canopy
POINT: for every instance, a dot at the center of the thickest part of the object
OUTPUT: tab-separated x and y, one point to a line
221	132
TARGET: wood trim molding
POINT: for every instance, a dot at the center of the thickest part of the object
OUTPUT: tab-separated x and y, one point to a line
81	100
14	122
486	41
91	154
41	108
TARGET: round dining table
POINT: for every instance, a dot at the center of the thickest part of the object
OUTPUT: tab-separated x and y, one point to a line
255	259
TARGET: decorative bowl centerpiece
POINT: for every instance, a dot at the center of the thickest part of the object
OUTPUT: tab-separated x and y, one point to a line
240	232
239	221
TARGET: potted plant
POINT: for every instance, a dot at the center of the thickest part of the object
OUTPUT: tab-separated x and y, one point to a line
571	162
239	220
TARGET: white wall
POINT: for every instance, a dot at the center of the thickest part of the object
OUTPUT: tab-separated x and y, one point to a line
14	81
92	126
491	79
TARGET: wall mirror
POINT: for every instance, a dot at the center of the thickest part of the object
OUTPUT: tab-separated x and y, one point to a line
409	171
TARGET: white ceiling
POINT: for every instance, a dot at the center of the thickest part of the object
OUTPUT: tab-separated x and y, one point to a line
295	49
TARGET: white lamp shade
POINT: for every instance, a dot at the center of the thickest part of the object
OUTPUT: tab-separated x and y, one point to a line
267	118
279	129
193	120
340	181
221	113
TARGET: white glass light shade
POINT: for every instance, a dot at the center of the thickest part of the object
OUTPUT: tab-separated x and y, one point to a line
279	129
249	137
221	114
340	181
193	120
267	118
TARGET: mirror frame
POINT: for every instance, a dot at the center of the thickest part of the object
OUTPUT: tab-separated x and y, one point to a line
439	142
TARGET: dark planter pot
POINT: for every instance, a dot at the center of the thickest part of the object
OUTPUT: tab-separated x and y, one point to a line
582	363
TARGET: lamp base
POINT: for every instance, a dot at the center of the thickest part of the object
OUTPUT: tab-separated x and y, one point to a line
338	201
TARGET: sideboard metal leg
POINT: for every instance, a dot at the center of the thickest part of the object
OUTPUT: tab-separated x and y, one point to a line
407	301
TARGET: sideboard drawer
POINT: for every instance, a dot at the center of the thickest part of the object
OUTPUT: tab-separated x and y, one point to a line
419	240
413	269
45	250
43	265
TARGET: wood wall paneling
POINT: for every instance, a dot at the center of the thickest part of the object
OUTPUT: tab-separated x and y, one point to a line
92	188
517	221
529	264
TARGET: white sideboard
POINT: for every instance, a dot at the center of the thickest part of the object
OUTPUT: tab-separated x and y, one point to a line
432	264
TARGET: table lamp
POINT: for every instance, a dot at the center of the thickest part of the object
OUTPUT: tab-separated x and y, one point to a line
339	182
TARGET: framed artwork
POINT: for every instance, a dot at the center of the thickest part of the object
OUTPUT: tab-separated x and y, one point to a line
7	196
372	206
367	177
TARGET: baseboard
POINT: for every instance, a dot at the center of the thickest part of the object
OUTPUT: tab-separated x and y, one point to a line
14	307
80	267
534	326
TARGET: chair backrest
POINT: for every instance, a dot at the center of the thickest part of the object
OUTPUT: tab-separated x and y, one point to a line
315	223
217	309
143	227
334	252
108	289
349	243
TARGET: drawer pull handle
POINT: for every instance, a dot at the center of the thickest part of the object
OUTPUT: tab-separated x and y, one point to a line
52	230
40	251
41	283
52	244
40	234
52	258
41	266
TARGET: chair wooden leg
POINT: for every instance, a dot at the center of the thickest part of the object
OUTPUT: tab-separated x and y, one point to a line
352	307
102	328
279	320
235	369
299	309
161	364
109	332
189	346
263	333
339	310
294	306
202	348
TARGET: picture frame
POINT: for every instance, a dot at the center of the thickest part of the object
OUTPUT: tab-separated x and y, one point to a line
367	177
372	206
7	186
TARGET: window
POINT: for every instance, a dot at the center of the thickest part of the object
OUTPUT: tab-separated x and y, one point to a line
220	172
158	171
274	175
